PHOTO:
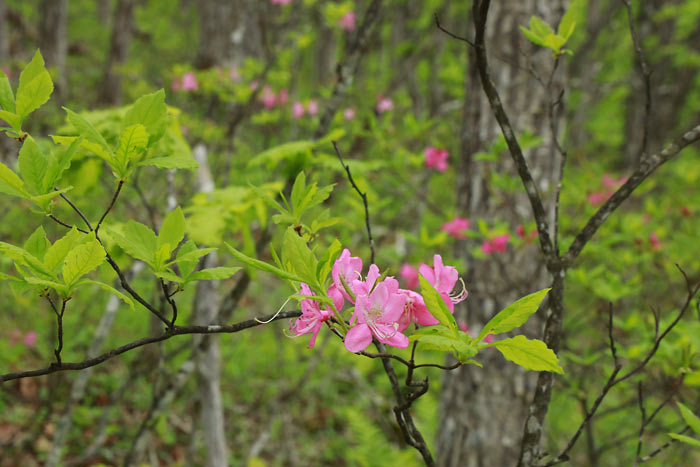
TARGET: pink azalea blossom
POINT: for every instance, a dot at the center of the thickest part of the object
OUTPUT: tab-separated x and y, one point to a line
189	82
520	230
254	85
233	74
415	311
655	242
347	21
456	227
685	210
613	183
349	113
312	108
384	104
410	275
346	269
436	158
30	338
298	110
443	278
498	244
282	97
280	2
175	85
599	197
377	314
360	287
269	99
311	319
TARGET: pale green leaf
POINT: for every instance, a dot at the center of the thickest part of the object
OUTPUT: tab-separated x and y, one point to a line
34	94
513	316
532	37
529	354
33	69
57	252
11	184
180	161
151	112
296	252
187	257
22	257
572	16
37	243
62	289
133	142
12	119
126	299
162	256
213	274
686	439
539	27
59	165
277	154
82	259
91	135
172	230
169	276
263	266
436	305
690	418
7	97
33	165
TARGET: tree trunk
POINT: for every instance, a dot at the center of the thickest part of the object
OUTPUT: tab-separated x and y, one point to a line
482	410
53	40
4	36
122	32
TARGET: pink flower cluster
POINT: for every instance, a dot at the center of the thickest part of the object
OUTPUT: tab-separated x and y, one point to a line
384	104
270	99
456	227
311	109
497	244
610	184
187	83
436	158
280	2
28	339
347	21
382	310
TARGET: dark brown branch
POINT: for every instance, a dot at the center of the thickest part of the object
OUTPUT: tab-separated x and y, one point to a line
449	33
169	297
364	201
111	205
66	225
75	208
175	331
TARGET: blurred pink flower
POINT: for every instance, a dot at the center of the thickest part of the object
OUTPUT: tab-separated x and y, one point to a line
280	2
520	230
30	338
614	183
685	210
456	227
268	98
599	197
282	97
312	108
349	113
233	74
189	82
409	274
298	110
436	158
384	104
347	21
655	242
175	85
498	244
254	85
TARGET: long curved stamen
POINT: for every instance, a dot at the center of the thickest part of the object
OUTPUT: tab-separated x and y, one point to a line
456	298
275	315
381	333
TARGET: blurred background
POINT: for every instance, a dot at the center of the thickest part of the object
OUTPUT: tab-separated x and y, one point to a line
246	77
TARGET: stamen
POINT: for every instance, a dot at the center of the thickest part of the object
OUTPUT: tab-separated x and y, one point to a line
275	315
456	298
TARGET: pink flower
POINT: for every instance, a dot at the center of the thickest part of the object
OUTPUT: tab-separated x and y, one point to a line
282	97
613	183
377	314
410	275
175	85
268	98
436	158
455	227
520	230
349	113
254	85
233	74
498	244
312	108
415	311
347	21
655	242
280	2
443	278
685	210
30	338
189	82
384	104
298	110
311	319
599	197
346	269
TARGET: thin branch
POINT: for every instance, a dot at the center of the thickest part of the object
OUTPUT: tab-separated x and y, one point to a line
176	331
66	225
449	33
75	208
169	297
364	201
661	448
111	205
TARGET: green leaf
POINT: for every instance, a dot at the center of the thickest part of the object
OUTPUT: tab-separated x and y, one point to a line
12	119
532	37
171	162
82	259
133	142
61	164
325	264
162	256
32	70
690	418
7	97
277	154
554	42
187	257
37	243
22	257
33	165
569	20
297	190
11	184
263	266
529	354
436	305
513	316
686	439
42	200
151	112
213	274
137	241
169	276
296	252
62	289
57	252
108	288
539	27
91	135
172	230
33	95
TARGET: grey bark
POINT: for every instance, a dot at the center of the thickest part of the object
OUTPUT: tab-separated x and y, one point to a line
4	36
482	410
122	33
53	40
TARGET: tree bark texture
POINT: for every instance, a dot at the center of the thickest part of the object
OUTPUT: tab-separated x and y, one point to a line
122	32
53	40
482	410
4	35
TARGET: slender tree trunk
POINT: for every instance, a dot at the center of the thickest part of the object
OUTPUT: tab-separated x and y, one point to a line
482	410
122	32
216	25
4	36
53	40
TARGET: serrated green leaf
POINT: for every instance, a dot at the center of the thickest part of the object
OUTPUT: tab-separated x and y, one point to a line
436	305
187	257
554	42
57	252
325	264
277	154
686	439
315	196
171	162
42	200
108	288
169	276
33	69
513	316
7	97
33	165
162	256
539	27
296	252
59	165
91	135
61	289
82	259
22	257
690	418
12	119
529	354
298	190
172	230
261	265
37	243
213	274
151	112
532	37
34	94
137	241
11	184
570	18
132	142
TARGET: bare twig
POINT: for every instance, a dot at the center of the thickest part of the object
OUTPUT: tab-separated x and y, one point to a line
449	33
111	205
